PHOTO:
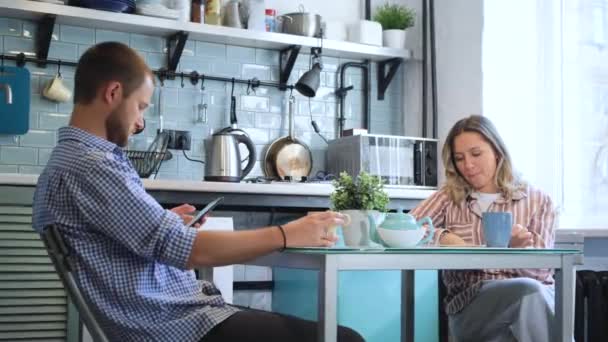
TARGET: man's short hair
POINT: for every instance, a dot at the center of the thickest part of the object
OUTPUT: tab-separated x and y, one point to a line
107	62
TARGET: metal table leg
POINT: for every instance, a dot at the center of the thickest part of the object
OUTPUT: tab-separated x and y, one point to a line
564	300
407	305
328	300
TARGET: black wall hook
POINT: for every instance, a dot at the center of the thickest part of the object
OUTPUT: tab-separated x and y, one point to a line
182	77
20	60
194	76
255	83
59	68
161	77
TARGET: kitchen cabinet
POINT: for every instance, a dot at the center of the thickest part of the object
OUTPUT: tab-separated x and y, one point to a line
248	203
33	302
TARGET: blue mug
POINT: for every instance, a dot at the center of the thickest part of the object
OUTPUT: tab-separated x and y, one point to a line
497	228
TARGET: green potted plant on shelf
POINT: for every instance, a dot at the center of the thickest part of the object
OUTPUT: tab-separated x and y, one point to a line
395	19
360	198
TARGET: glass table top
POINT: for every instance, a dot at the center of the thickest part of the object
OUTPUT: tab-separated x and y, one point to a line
430	250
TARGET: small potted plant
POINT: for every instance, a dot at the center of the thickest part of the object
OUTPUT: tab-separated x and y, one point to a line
395	19
359	198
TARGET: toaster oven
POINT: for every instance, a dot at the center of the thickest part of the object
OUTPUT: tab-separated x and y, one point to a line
397	160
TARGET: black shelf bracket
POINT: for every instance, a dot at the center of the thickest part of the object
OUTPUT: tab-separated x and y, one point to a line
287	59
384	79
175	47
44	34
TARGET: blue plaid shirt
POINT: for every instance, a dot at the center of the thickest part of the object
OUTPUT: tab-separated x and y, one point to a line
130	252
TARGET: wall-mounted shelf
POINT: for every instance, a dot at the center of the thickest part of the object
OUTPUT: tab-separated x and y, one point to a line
69	15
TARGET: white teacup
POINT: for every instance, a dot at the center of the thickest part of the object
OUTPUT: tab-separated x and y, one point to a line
347	220
357	233
56	90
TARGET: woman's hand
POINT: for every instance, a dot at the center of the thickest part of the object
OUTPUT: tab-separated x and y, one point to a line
451	239
313	230
520	237
185	212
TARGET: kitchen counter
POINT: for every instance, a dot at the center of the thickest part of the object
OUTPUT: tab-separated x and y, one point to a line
239	196
288	195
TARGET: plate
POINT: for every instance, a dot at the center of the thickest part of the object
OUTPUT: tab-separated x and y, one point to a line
158	11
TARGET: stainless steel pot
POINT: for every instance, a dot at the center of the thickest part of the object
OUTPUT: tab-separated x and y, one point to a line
301	24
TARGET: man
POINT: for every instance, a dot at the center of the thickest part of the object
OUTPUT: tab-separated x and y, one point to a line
134	258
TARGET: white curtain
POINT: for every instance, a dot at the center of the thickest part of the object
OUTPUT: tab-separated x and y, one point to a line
545	85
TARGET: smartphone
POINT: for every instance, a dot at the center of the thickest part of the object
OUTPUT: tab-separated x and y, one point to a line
199	217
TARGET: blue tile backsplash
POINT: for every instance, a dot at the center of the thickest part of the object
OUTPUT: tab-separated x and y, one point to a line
263	113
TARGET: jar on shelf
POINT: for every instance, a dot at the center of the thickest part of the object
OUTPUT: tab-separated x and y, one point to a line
197	11
271	20
213	12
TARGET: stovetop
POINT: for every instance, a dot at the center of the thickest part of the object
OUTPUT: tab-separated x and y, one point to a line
319	178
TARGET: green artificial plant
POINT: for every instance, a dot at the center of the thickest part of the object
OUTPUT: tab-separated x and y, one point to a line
394	16
366	192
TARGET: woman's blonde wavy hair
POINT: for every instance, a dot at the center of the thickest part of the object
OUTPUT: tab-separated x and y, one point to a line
506	179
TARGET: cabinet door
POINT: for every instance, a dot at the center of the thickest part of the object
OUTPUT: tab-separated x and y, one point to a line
33	303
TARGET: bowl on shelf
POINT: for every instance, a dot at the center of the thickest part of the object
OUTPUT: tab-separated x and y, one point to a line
120	6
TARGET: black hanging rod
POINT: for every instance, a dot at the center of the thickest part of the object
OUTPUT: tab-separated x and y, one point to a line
22	58
195	77
162	74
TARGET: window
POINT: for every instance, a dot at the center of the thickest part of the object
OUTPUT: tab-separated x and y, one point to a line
545	85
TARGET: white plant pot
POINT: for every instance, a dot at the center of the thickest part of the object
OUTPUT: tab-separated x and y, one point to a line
394	38
357	232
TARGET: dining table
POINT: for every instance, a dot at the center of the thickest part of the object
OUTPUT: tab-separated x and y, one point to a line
330	261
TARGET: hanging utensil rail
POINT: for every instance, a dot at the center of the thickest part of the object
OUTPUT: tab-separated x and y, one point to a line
162	74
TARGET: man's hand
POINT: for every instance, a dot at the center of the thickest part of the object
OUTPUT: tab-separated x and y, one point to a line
314	230
520	237
185	212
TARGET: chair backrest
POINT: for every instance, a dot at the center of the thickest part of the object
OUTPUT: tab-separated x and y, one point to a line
60	256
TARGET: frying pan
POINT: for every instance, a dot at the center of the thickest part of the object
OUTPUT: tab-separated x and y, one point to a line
288	156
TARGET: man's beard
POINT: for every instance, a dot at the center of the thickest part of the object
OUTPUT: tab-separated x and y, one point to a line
116	130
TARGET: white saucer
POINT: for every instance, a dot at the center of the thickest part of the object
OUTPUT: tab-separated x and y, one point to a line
463	246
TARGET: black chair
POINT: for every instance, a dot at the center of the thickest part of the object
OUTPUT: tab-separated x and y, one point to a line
444	329
60	256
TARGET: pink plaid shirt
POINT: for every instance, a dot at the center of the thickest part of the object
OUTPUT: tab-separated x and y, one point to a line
530	207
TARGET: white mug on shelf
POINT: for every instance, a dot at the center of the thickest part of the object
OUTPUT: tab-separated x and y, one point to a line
56	90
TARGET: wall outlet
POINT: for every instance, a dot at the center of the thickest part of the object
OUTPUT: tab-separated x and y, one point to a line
179	140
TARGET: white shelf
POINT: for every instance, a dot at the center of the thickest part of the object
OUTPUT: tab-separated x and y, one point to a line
76	16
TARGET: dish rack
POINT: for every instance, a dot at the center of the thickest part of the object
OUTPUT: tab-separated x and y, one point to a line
147	163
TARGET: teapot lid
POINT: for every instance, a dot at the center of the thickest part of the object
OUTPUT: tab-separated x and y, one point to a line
399	221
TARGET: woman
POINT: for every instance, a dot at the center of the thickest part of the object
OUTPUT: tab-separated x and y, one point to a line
496	304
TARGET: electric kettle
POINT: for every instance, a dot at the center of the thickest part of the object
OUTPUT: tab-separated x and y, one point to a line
224	161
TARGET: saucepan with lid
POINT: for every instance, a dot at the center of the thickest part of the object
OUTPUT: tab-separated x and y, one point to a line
301	23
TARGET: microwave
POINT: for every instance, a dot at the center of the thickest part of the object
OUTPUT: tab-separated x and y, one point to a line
398	160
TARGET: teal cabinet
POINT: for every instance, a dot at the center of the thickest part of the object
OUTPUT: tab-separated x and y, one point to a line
368	301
